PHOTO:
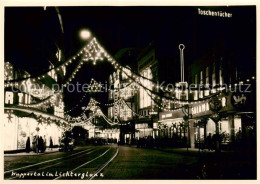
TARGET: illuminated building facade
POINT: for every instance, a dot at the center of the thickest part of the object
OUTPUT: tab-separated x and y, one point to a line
33	107
214	75
123	87
148	69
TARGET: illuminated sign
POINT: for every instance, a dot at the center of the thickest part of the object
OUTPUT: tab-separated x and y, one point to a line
167	115
152	113
215	104
200	108
22	98
238	100
214	13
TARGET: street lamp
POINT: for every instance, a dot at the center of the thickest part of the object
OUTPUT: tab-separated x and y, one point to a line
215	106
85	34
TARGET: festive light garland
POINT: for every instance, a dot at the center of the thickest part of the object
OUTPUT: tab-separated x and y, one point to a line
94	86
54	69
98	112
124	103
81	100
49	100
94	52
92	105
134	76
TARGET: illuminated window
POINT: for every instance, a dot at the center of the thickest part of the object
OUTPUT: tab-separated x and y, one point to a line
207	106
201	77
238	124
224	102
203	107
207	82
221	79
110	92
201	83
211	127
196	85
213	74
145	95
207	75
110	112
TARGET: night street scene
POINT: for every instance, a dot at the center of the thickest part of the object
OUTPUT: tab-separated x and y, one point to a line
130	93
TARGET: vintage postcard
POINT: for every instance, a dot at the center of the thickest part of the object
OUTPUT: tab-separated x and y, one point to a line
129	92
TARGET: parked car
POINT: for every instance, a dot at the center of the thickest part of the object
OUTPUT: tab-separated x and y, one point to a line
66	144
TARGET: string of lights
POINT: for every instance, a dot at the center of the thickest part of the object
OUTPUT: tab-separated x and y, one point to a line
139	115
53	69
134	76
81	100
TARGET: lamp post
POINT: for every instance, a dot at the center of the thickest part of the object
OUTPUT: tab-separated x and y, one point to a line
215	106
186	117
197	125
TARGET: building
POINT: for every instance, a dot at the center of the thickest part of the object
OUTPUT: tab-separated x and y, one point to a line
147	68
33	108
235	89
159	68
122	96
213	75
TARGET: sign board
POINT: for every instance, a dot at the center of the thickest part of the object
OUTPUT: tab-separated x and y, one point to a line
215	104
153	113
238	100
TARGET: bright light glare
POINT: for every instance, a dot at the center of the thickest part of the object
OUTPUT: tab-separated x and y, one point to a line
85	34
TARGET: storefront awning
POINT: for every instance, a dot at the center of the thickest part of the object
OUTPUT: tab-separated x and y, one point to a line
36	112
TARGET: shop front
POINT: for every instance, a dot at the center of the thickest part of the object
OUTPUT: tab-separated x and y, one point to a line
234	121
23	128
174	130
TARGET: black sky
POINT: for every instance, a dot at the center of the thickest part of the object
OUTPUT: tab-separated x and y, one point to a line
28	30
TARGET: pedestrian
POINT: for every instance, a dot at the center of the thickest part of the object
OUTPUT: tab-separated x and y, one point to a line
40	144
51	143
28	145
209	142
203	172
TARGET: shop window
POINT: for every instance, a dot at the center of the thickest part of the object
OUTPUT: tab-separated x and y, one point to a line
211	128
145	94
224	101
237	122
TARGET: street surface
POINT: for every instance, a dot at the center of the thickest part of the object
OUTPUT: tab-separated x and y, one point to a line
126	162
82	163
